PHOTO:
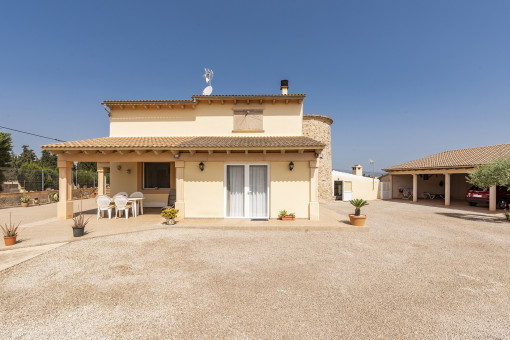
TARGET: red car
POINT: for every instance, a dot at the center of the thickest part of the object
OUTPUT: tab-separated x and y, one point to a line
476	195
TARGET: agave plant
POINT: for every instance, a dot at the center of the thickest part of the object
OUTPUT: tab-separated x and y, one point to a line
358	203
10	230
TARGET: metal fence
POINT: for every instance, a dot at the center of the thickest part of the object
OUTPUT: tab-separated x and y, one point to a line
18	179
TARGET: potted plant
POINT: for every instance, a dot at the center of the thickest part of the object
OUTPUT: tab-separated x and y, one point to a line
24	200
55	197
79	223
10	232
170	214
285	216
507	215
357	219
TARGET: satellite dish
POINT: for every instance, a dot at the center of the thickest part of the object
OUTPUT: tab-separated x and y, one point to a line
207	91
208	76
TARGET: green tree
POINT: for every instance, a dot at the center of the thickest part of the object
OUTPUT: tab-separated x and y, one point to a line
5	153
48	160
26	156
494	173
87	166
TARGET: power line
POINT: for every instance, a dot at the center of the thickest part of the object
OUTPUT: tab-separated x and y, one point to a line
33	134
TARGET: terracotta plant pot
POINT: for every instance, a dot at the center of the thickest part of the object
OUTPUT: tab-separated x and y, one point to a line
24	204
358	221
77	232
9	241
288	218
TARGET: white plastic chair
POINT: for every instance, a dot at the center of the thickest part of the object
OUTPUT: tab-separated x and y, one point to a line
122	193
104	203
138	194
122	204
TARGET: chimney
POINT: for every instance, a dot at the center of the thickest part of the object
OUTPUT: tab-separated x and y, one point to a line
357	170
284	86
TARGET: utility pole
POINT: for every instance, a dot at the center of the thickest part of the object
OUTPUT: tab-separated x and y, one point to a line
373	174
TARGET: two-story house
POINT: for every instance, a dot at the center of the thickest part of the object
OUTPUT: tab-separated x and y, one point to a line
214	156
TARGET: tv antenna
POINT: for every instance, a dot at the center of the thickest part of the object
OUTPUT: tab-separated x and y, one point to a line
208	76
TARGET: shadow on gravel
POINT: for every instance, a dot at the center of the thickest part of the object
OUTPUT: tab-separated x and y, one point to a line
475	217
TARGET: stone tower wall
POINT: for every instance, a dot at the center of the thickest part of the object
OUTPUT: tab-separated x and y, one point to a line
318	127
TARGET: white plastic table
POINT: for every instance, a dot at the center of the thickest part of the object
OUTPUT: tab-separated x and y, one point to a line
135	201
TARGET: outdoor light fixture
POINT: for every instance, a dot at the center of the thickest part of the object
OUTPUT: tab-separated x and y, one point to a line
291	165
119	167
128	171
177	155
201	166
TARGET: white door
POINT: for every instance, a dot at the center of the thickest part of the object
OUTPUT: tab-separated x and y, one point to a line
346	191
235	191
386	190
247	191
257	194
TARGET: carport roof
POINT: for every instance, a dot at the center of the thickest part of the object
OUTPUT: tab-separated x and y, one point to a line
462	158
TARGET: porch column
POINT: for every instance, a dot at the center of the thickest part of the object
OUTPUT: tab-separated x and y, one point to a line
101	178
313	209
65	190
447	189
492	198
179	187
415	187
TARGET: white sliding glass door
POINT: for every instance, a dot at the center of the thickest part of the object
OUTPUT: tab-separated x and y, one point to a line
257	194
235	190
247	191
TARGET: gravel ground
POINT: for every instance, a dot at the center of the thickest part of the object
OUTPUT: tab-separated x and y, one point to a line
421	272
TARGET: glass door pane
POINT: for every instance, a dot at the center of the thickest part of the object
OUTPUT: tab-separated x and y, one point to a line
258	191
235	190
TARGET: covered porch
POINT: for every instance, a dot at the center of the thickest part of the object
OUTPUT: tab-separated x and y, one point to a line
197	168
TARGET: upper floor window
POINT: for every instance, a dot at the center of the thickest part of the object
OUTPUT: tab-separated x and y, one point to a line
248	121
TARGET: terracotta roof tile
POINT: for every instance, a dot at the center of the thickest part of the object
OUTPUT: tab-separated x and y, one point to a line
462	158
178	143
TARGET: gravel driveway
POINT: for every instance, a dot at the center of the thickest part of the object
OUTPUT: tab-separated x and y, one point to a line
421	272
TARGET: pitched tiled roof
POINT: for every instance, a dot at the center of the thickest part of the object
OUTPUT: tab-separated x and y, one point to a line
178	143
197	96
463	158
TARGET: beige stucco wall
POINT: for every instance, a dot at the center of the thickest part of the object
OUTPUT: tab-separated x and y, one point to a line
120	180
459	186
362	187
203	190
279	119
290	190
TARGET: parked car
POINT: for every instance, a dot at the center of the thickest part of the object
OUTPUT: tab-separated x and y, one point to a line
476	195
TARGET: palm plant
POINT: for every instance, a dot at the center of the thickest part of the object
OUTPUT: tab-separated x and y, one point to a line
10	230
358	203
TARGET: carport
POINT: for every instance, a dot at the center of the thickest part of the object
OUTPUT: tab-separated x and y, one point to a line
443	175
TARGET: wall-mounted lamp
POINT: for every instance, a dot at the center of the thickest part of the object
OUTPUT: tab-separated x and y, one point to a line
291	165
201	166
177	155
119	167
128	171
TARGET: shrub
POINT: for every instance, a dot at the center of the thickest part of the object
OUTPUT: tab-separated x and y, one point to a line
358	203
169	213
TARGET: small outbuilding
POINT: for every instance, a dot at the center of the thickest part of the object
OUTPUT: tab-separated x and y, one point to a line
442	175
347	186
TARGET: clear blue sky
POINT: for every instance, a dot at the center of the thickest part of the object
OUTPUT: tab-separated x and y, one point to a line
402	79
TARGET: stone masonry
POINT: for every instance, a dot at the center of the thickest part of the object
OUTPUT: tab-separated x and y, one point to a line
318	127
